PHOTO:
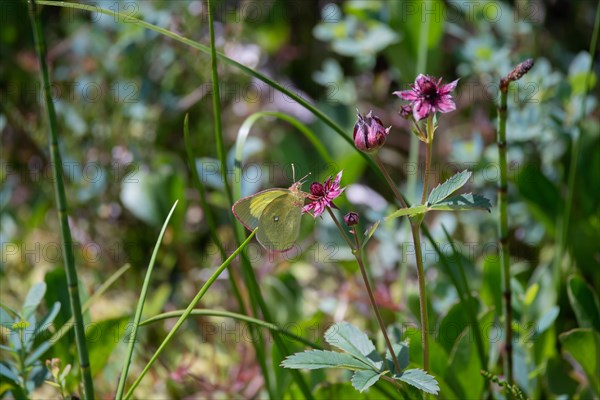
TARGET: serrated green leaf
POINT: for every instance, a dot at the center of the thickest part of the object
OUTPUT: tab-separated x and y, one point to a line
420	379
362	380
316	359
584	347
369	233
407	211
401	350
584	302
452	184
463	202
349	338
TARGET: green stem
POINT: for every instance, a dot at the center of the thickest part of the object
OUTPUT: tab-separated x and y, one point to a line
23	372
363	272
187	312
61	200
216	91
413	158
415	229
416	235
358	255
249	276
503	232
427	158
390	182
341	229
208	211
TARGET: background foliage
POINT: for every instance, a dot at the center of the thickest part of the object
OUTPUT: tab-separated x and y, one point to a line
121	93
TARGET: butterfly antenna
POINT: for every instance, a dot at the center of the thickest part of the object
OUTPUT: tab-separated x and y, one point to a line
293	173
304	177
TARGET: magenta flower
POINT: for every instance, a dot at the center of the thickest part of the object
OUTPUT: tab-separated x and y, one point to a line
322	195
428	96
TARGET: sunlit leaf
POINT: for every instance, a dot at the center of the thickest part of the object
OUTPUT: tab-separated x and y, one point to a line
452	184
316	359
420	379
349	338
362	380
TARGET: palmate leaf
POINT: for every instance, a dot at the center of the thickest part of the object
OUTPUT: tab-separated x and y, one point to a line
419	379
452	184
316	359
362	380
349	338
463	202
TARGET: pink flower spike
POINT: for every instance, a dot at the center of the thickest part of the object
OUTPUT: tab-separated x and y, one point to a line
322	195
429	96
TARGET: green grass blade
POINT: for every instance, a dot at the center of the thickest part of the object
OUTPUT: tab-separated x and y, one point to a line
91	300
187	313
61	200
239	317
216	97
140	306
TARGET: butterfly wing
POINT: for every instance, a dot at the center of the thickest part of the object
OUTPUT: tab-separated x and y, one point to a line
249	209
279	224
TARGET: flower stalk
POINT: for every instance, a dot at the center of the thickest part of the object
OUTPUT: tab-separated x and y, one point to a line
356	251
514	75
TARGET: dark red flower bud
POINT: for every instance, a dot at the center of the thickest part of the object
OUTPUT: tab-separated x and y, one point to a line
369	133
351	218
406	111
317	189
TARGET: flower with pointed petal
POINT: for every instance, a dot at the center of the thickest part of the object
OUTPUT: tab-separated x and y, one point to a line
369	133
428	96
322	195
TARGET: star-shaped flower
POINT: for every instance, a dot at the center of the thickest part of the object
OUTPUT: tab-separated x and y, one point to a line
322	195
428	96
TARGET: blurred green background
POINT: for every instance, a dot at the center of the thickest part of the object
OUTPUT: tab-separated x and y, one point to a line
121	93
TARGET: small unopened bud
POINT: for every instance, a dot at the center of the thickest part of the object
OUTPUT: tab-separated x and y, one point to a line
351	218
406	111
369	133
